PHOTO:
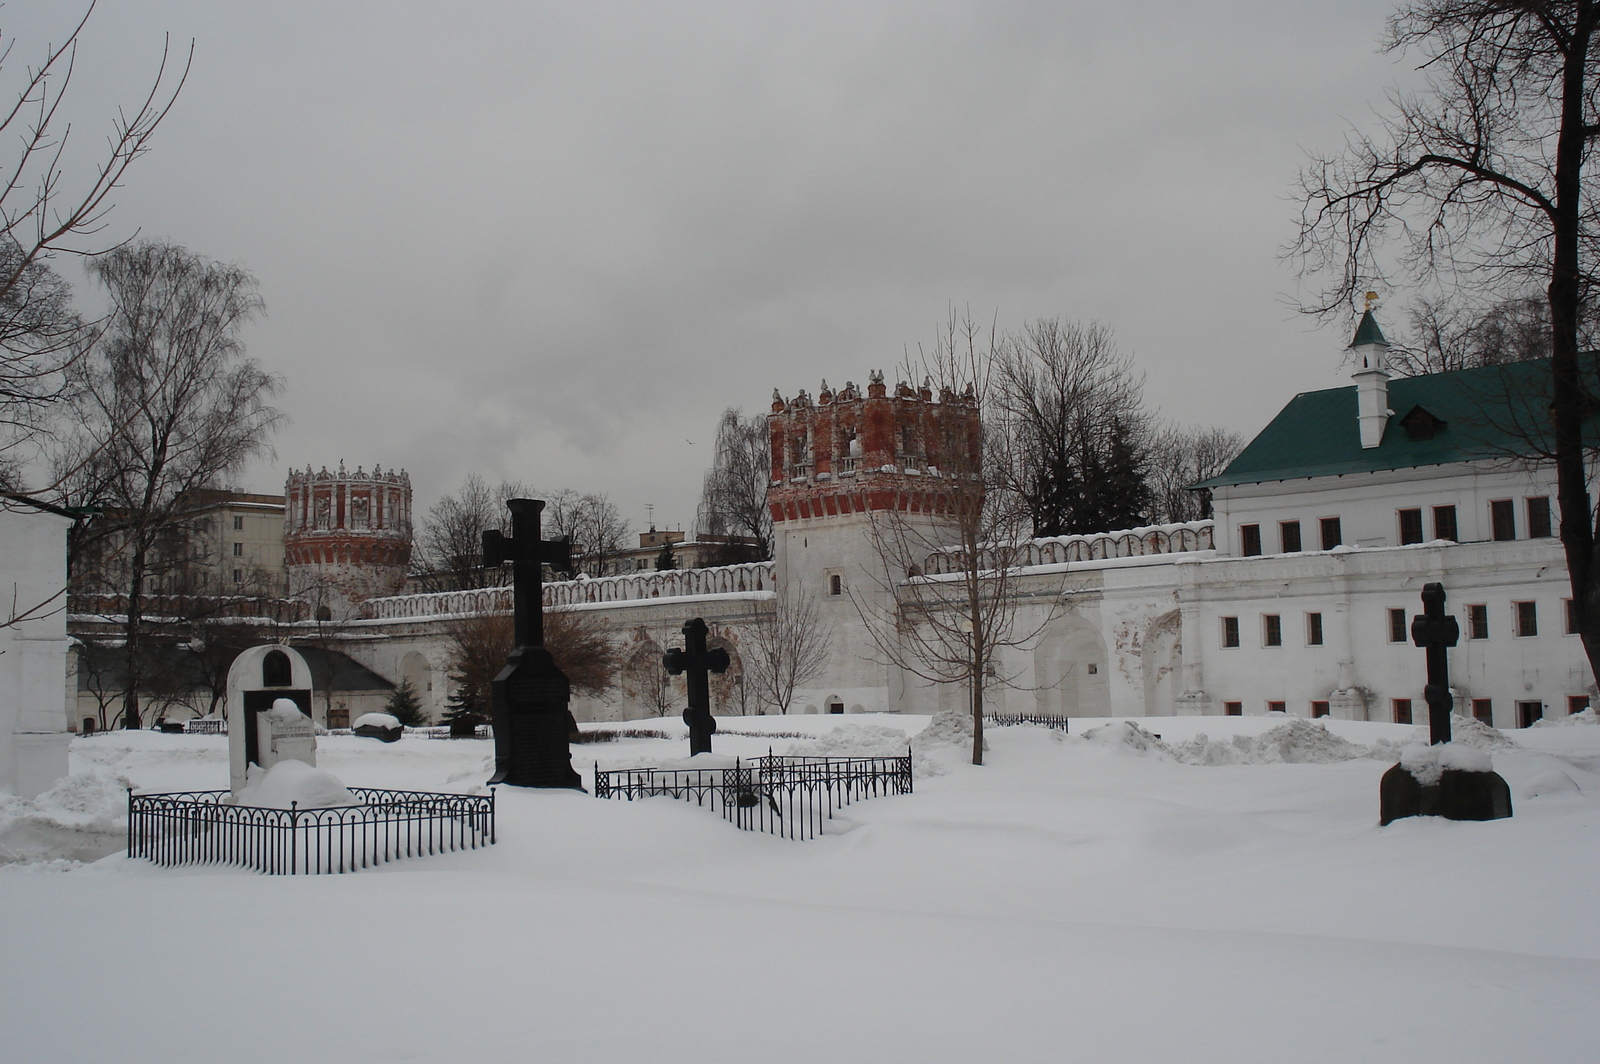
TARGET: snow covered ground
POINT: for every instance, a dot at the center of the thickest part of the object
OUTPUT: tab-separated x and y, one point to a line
1112	898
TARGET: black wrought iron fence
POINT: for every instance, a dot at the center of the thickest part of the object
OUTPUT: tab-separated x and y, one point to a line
445	731
200	827
1044	719
784	795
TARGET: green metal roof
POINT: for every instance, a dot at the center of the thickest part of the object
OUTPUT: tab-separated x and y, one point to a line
1368	332
1493	411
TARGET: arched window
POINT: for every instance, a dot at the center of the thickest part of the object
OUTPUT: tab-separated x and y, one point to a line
275	670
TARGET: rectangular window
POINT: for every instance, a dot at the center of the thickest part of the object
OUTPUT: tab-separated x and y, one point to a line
1444	523
1278	707
1527	618
1577	704
1230	631
1397	626
1402	710
238	522
238	550
1233	709
1478	621
1570	609
1331	536
1483	710
1410	526
835	584
1502	520
1271	630
1539	517
1249	540
238	576
1319	709
1289	534
1313	629
1528	712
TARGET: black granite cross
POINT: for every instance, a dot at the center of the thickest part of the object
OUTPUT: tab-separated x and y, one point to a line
532	723
528	554
696	662
1436	633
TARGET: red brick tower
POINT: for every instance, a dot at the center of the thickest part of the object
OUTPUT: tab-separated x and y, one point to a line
346	536
848	453
842	462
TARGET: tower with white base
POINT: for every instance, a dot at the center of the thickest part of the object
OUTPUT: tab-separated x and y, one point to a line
850	470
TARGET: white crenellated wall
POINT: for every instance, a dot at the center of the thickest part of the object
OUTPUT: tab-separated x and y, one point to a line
1129	623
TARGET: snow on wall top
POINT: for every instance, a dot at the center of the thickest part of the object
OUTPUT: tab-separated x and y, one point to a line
670	583
1124	543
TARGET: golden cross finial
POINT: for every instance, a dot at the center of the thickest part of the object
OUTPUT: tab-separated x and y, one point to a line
1372	297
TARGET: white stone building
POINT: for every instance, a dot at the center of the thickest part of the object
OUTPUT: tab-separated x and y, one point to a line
33	645
1296	598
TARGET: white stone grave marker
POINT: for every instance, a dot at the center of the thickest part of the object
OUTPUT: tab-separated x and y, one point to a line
261	731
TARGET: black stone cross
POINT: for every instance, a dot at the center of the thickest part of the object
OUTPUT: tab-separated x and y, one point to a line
532	723
1435	632
528	554
697	663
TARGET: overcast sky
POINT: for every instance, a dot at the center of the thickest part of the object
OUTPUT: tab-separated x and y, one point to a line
554	241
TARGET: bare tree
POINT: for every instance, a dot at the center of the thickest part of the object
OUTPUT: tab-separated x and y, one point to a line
1068	408
733	498
40	336
953	577
787	651
1180	458
478	647
579	643
645	676
43	212
592	522
1446	335
166	405
1480	179
583	649
449	550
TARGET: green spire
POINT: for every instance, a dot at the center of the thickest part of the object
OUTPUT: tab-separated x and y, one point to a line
1368	332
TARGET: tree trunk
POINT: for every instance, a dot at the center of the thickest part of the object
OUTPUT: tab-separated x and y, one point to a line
132	639
977	697
1570	404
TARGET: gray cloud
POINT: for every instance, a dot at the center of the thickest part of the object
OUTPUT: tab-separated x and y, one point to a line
552	241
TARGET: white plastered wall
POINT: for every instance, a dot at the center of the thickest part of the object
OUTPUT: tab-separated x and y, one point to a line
33	649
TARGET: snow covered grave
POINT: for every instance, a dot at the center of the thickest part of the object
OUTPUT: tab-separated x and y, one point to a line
283	815
269	712
296	820
791	796
1219	894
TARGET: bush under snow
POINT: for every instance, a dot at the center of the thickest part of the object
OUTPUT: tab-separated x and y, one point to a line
83	817
297	783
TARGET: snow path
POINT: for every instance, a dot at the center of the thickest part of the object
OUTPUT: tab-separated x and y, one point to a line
1065	902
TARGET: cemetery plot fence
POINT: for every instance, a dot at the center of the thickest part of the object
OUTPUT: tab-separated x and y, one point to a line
789	796
201	827
1043	719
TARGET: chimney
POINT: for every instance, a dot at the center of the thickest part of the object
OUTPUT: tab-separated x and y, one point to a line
1371	353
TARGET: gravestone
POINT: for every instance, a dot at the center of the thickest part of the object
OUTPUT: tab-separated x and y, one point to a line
1447	781
259	678
697	663
532	721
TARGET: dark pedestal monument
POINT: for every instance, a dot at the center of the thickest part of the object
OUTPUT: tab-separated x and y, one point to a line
532	720
697	663
1453	793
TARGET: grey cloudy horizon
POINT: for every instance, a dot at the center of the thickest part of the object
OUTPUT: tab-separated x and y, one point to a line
551	242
